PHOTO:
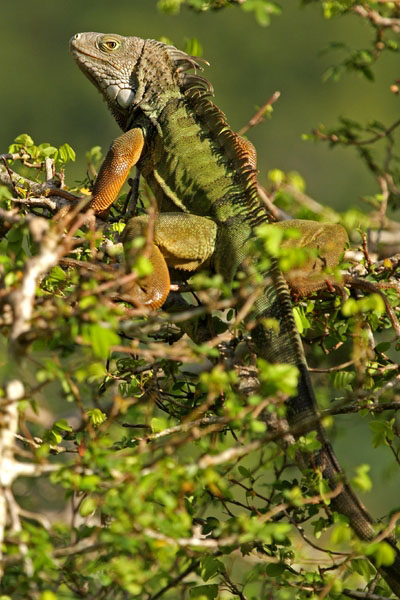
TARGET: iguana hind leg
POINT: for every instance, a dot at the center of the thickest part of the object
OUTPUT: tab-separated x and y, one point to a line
180	240
324	244
330	241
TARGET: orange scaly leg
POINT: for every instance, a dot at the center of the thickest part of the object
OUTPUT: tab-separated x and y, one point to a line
153	289
123	154
182	241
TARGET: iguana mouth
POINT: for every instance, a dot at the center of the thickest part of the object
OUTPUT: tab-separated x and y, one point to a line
76	50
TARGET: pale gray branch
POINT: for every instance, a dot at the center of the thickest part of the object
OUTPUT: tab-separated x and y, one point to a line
376	18
22	299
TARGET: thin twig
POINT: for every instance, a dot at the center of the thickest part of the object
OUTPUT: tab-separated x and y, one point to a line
173	582
258	117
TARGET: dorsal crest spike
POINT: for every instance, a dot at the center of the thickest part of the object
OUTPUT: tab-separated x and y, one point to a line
192	81
239	151
184	61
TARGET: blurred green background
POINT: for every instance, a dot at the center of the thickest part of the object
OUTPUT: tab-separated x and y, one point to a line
44	94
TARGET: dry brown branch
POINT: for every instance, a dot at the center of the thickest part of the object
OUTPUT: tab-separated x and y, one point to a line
303	199
60	197
187	426
270	206
198	540
10	469
258	117
356	142
349	363
173	582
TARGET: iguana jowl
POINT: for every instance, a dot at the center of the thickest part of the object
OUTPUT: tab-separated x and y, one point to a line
204	180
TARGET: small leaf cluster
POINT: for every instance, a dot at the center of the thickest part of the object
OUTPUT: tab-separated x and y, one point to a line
38	153
261	9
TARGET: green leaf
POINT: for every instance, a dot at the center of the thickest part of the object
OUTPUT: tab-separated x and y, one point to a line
88	302
373	303
383	431
158	424
258	426
301	320
210	567
143	266
271	237
204	592
275	569
277	377
57	274
47	151
296	180
382	552
63	425
193	47
87	506
343	379
96	417
24	140
170	7
46	595
65	153
262	9
341	534
100	339
94	154
276	176
244	472
362	479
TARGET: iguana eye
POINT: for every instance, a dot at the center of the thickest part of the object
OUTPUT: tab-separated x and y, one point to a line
108	45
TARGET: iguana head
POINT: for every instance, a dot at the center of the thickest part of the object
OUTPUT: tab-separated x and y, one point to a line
110	61
131	72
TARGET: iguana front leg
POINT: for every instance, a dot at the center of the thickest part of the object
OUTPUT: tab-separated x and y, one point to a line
181	241
123	154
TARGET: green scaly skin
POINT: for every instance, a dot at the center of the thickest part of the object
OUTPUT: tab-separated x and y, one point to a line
195	164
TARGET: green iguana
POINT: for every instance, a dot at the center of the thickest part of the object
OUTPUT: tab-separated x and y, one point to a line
203	176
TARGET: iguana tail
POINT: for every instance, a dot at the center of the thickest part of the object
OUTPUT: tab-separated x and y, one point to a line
285	346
